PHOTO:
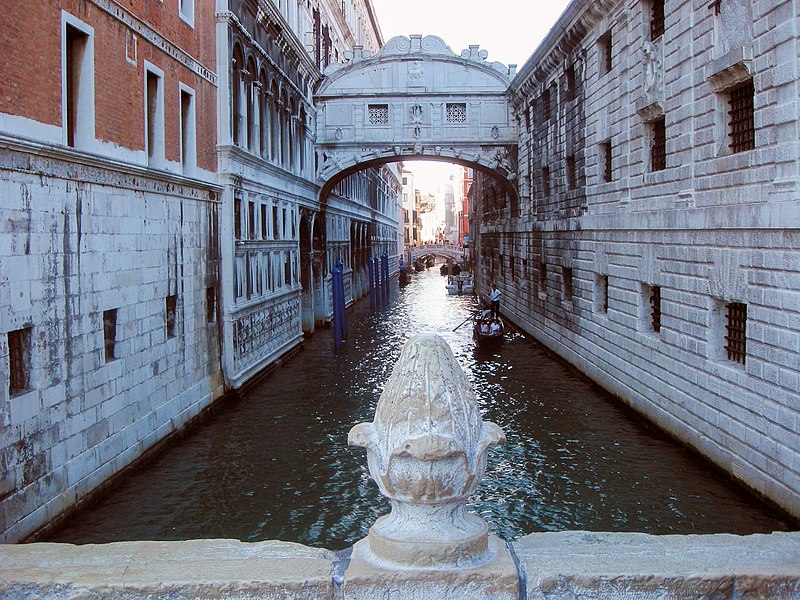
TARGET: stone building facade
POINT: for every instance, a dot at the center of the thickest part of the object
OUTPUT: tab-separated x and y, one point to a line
108	261
164	239
655	244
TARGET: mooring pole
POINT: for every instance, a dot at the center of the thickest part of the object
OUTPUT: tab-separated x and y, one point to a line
371	283
338	305
342	304
385	276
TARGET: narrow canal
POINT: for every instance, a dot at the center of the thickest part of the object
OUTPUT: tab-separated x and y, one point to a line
275	464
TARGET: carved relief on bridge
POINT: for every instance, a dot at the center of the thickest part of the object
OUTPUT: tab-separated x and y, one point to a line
415	98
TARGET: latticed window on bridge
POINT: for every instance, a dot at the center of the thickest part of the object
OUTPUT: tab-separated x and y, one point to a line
740	112
736	331
456	112
658	149
656	19
655	308
19	359
378	114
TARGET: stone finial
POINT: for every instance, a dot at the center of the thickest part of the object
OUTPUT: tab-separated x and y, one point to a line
426	450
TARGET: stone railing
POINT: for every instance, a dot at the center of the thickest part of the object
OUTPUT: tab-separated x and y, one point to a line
427	450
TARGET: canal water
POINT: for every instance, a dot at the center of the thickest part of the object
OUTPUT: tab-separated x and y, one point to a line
275	463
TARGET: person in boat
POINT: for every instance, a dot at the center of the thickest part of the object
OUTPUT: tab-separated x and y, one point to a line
494	326
486	313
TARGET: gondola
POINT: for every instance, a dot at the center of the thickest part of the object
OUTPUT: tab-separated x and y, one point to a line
488	335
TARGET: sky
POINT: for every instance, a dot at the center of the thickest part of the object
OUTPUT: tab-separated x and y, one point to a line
510	30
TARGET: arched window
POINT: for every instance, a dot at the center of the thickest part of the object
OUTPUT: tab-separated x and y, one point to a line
236	93
275	112
252	104
264	116
301	136
293	138
284	119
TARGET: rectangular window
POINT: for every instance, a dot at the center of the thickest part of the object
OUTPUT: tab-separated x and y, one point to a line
264	221
172	308
110	333
287	269
251	220
741	117
237	218
736	331
378	114
274	222
606	161
658	146
154	116
655	307
656	19
572	173
545	100
19	360
542	277
211	305
188	132
605	53
545	181
566	273
186	11
77	83
602	293
456	112
570	76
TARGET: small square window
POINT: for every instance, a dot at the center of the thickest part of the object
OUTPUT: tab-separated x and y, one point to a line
736	331
378	114
110	333
172	309
456	112
19	360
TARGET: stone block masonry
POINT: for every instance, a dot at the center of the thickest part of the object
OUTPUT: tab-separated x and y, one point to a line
94	251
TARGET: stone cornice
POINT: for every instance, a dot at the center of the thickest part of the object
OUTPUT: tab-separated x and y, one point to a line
134	23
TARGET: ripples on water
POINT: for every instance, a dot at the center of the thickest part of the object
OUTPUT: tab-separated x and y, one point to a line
275	464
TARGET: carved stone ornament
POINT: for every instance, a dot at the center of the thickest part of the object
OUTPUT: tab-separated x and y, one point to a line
426	450
415	113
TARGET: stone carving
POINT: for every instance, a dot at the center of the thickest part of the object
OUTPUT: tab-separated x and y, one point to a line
416	114
339	134
652	69
416	71
426	450
495	132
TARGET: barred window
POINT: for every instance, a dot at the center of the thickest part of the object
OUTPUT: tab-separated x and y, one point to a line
378	114
110	333
542	277
605	151
456	112
736	331
19	358
656	19
172	307
740	113
570	75
545	181
545	99
655	308
572	173
658	147
602	293
566	273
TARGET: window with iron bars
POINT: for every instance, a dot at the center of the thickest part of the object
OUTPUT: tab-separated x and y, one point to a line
542	277
605	150
655	308
602	287
19	359
110	333
566	273
605	53
736	331
545	100
456	112
378	114
656	19
572	173
545	181
741	117
658	147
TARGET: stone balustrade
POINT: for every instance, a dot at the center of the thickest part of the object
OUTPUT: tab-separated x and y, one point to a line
426	450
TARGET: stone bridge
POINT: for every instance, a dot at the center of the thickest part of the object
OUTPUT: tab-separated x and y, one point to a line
449	251
415	99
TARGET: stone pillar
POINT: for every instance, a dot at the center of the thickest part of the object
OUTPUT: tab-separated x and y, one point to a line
426	450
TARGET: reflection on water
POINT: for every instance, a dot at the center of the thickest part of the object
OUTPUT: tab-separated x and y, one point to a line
275	464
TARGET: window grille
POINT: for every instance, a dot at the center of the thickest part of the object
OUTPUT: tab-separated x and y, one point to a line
567	274
656	19
19	355
658	149
607	167
110	333
456	112
740	112
736	331
546	105
655	307
572	173
570	82
606	62
237	218
172	306
378	114
545	181
604	292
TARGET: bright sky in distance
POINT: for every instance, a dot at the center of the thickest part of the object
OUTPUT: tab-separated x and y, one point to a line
510	30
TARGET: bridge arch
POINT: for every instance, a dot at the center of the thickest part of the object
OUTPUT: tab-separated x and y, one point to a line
415	99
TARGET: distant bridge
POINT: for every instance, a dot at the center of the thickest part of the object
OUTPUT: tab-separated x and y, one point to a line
443	250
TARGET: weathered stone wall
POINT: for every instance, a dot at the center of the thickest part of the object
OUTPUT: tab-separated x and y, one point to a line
80	237
579	267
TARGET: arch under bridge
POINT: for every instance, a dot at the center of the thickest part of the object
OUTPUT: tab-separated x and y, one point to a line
447	251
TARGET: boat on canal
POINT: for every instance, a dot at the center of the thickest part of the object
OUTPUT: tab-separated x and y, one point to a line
460	284
488	331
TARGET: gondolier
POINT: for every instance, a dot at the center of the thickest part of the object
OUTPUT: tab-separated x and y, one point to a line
494	298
